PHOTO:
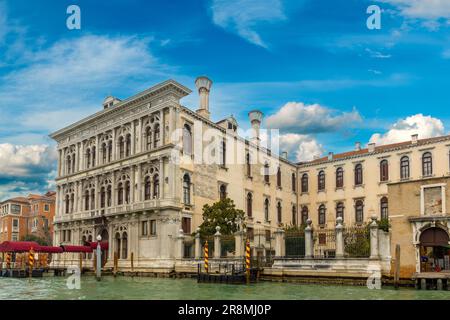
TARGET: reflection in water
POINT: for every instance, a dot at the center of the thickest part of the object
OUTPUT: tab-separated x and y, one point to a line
160	288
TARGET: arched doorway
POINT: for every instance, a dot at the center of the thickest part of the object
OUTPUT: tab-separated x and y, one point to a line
434	250
105	238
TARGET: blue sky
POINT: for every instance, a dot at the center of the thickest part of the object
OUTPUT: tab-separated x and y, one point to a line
313	67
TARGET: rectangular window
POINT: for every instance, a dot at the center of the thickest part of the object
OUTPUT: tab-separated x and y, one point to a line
144	228
250	233
267	235
15	223
14	237
15	208
46	208
45	223
186	225
153	227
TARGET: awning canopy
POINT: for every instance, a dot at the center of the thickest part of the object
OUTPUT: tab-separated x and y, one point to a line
76	249
103	245
18	246
48	249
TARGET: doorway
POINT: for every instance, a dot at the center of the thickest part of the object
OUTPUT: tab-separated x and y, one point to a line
434	250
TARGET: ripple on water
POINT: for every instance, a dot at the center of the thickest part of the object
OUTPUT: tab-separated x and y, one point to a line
121	288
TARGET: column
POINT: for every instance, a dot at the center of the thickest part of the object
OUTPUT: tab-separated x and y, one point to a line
161	178
75	198
113	144
217	244
279	243
179	248
140	144
63	162
113	190
198	245
59	162
239	243
308	240
97	150
132	182
133	137
82	157
162	128
339	238
374	238
171	123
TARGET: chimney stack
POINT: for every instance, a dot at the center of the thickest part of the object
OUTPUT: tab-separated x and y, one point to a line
284	154
414	138
330	156
371	147
203	85
256	117
357	146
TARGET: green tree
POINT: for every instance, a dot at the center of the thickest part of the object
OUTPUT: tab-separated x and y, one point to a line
223	214
39	240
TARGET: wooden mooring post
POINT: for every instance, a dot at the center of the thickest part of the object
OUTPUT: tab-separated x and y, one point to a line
115	264
397	266
132	263
80	262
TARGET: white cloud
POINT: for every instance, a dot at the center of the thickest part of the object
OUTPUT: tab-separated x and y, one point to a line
300	147
25	161
377	54
296	117
242	16
422	9
424	126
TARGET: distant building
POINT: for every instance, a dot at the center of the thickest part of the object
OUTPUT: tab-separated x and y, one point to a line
24	216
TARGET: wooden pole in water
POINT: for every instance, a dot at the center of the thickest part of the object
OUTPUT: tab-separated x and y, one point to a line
397	266
132	262
115	264
80	262
31	261
206	257
247	261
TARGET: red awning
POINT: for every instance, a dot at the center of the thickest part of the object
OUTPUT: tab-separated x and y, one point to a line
18	246
103	245
48	249
76	249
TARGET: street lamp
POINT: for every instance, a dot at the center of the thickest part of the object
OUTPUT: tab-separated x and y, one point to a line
99	258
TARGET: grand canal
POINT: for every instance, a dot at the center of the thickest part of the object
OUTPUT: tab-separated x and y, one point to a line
122	288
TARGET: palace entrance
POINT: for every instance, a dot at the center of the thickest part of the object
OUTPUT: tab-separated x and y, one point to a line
105	237
434	250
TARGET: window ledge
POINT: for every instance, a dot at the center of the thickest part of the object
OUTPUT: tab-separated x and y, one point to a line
384	182
323	190
223	167
279	188
249	177
358	186
304	193
267	184
339	188
428	176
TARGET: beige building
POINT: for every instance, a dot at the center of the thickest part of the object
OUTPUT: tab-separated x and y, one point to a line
139	171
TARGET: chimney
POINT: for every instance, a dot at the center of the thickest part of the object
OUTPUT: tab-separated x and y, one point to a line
110	101
330	156
203	85
371	147
255	119
357	146
316	156
284	154
414	138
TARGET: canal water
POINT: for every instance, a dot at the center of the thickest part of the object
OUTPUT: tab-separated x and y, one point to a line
121	288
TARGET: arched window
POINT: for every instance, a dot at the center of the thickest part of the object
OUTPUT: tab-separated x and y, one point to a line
93	153
404	167
187	140
427	164
73	163
340	210
148	136
279	212
266	173
67	203
322	214
321	181
384	208
339	177
223	153
222	192
294	182
72	202
104	152
266	209
69	165
384	170
124	245
249	204
155	186
128	145
109	196
86	200
121	148
157	135
110	145
186	189
359	211
279	177
294	215
147	187
358	174
127	192
248	165
117	237
88	158
92	199
304	214
102	197
120	194
304	183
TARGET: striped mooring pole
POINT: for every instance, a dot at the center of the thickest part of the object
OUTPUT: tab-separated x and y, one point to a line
247	260
31	261
206	257
8	260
